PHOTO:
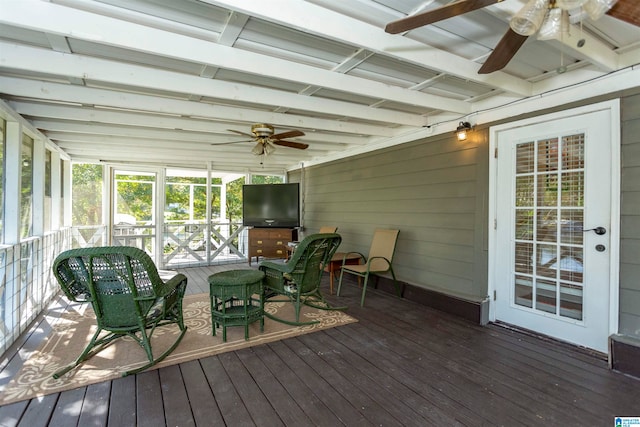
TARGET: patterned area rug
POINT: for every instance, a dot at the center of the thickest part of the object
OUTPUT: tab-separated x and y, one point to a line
64	344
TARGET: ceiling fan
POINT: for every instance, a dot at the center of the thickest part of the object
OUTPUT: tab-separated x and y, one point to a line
525	23
266	140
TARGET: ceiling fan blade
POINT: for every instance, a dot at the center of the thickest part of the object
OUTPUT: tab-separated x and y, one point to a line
435	15
626	10
289	134
291	144
503	52
241	133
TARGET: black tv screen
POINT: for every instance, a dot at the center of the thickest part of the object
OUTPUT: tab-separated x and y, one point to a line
271	205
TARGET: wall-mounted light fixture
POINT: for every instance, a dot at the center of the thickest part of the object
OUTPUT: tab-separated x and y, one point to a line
462	130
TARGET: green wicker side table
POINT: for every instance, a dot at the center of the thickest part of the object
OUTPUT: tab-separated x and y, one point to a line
236	300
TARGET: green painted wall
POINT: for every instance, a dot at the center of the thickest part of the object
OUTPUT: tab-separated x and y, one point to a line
630	218
434	191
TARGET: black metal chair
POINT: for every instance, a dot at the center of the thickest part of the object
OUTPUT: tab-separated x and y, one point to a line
127	295
299	278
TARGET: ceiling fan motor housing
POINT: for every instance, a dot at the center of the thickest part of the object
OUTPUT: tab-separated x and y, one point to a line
262	130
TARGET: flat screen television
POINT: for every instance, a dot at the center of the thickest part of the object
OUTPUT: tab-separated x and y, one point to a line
271	205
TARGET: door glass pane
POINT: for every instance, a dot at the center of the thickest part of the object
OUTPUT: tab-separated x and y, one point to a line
524	224
571	263
571	226
548	189
524	258
573	152
571	301
524	190
548	155
525	158
546	295
549	211
524	291
547	260
572	189
547	225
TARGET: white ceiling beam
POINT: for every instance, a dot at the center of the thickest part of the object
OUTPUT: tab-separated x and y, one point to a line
30	59
49	126
47	17
326	23
173	139
167	157
144	103
232	29
100	142
66	118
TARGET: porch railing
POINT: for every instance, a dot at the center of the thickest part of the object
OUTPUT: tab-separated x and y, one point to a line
27	285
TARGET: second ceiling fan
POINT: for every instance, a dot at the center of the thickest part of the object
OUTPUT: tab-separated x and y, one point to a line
525	23
266	140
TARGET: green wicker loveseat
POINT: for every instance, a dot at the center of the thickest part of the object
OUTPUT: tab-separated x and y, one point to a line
298	280
126	293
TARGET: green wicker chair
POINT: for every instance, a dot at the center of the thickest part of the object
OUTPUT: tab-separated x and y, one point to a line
127	294
298	279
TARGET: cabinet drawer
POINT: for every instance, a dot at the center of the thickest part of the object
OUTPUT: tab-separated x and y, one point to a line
280	235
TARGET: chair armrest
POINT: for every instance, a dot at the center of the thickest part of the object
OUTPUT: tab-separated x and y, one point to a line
344	258
277	266
374	258
171	290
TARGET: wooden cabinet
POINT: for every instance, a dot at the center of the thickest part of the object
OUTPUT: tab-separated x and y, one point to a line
270	242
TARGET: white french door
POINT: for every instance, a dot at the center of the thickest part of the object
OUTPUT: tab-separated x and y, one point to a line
552	245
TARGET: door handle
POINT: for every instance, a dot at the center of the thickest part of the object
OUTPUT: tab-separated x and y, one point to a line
598	230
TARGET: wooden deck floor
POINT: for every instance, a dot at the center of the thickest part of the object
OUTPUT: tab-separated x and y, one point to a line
401	364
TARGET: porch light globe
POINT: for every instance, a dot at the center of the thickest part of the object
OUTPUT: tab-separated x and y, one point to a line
528	20
569	4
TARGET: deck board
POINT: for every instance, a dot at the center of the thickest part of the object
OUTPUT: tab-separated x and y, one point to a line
400	364
226	396
201	400
122	405
150	411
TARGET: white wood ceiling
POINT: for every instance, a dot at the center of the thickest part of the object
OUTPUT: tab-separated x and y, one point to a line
157	82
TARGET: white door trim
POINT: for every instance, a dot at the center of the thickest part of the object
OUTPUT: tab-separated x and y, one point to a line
613	107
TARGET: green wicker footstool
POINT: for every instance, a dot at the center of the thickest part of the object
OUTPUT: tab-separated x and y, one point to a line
236	300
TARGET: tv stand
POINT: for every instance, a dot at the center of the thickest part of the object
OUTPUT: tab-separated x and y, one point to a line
270	242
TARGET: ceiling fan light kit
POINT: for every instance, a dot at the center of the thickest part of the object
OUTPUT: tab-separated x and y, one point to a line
597	8
569	4
266	140
555	23
525	23
529	19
